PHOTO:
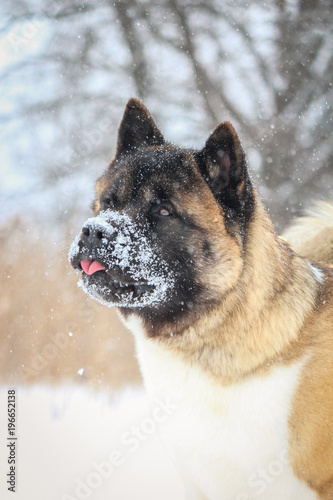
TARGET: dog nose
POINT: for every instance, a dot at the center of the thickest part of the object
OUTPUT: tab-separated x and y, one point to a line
92	234
95	235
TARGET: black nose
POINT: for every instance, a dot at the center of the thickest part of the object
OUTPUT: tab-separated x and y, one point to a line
95	236
92	235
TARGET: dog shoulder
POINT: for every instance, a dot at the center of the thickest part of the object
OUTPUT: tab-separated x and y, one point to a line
311	419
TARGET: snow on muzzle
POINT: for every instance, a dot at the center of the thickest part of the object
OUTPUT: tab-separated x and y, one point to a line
136	275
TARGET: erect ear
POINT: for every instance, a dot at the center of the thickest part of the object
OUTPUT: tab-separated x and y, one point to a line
223	164
137	129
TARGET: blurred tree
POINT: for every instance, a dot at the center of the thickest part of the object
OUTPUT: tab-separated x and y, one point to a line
267	67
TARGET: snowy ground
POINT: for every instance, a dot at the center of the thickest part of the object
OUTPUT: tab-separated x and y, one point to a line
73	444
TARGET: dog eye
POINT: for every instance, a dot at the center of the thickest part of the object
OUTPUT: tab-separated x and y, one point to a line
107	203
160	209
164	212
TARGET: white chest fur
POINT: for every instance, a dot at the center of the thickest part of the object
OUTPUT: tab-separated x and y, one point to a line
230	442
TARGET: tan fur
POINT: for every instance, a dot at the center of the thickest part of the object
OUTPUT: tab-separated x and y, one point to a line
100	186
312	235
319	247
223	275
311	420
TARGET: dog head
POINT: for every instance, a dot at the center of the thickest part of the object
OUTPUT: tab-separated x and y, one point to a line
170	224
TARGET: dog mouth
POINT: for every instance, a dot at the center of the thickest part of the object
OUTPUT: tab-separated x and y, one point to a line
124	267
109	285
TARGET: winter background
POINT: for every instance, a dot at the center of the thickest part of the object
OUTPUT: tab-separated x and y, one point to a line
67	69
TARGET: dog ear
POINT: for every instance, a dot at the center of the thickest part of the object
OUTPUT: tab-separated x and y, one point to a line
137	129
223	164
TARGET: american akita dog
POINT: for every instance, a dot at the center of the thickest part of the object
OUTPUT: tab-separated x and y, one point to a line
221	308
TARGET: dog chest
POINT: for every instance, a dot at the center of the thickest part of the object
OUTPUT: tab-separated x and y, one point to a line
231	442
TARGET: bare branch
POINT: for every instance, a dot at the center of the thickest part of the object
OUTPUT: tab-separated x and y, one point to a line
139	66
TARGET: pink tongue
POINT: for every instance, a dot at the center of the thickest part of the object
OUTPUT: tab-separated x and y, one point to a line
91	266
